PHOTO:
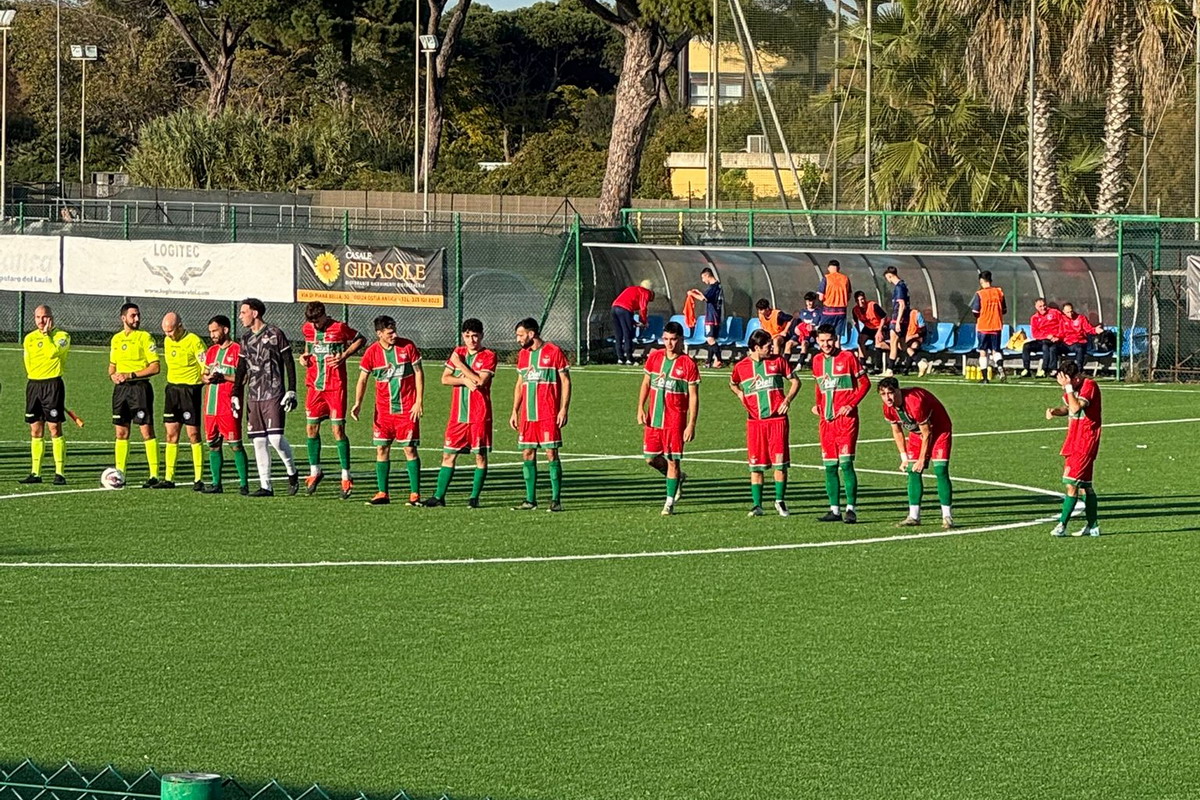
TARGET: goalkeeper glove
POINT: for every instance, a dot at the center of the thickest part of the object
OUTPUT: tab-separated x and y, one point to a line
288	402
236	405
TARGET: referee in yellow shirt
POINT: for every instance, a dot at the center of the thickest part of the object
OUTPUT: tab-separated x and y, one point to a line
46	348
132	361
184	353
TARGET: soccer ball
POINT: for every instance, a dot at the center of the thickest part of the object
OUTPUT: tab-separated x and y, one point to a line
112	478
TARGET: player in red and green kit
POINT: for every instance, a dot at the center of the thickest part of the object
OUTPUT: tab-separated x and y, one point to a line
541	400
923	432
672	385
328	344
469	372
759	381
394	364
840	384
1082	408
221	423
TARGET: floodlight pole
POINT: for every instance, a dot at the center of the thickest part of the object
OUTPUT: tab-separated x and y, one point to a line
867	126
58	94
1032	90
4	130
837	103
416	95
82	119
428	116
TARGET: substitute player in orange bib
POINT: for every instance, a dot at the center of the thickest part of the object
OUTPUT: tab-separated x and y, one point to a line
840	384
1082	408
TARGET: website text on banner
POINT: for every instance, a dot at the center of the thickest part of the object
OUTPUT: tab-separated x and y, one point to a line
155	268
389	276
30	264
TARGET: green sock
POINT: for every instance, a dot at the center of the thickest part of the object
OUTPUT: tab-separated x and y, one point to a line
383	471
1068	508
216	461
343	448
944	489
915	488
1089	507
555	470
414	474
314	451
477	481
781	489
37	447
850	481
529	472
444	476
241	465
756	493
672	487
831	482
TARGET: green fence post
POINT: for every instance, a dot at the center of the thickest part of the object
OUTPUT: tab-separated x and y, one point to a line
20	314
1015	233
21	217
579	356
750	227
346	227
883	230
458	272
233	223
125	220
1120	292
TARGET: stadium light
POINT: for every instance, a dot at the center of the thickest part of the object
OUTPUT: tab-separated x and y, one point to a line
429	46
83	53
6	21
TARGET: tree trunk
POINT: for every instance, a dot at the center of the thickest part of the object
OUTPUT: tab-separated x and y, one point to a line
219	81
636	97
1114	179
441	69
1047	193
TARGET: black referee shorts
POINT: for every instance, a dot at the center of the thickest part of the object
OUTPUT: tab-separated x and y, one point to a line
133	401
182	404
45	400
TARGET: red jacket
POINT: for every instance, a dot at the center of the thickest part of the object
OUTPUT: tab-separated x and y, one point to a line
1076	330
635	299
1046	325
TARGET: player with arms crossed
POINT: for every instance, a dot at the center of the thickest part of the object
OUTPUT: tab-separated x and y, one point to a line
1082	408
394	363
920	415
541	400
264	364
221	423
46	349
184	353
758	380
469	371
840	384
672	385
132	361
328	344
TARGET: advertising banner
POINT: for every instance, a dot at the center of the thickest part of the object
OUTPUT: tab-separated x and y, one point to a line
373	276
30	264
176	269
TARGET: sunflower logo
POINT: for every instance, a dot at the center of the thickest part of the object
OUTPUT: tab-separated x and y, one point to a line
327	268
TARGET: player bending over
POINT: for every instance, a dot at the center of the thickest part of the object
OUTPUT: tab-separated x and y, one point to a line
1082	408
758	380
920	415
672	386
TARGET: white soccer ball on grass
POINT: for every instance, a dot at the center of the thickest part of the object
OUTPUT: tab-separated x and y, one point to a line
112	478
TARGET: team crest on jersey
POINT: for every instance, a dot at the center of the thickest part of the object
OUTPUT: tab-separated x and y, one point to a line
54	412
187	415
39	344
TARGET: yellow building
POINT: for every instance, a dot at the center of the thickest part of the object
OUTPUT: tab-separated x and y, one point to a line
688	179
731	67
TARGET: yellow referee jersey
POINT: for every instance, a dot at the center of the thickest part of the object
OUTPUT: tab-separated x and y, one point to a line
46	353
183	359
133	351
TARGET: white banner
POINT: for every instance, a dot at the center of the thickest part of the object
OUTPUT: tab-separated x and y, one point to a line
178	269
30	264
1193	287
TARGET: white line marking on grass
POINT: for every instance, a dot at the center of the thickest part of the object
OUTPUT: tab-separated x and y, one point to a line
51	493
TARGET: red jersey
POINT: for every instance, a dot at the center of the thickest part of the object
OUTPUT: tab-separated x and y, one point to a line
989	307
1083	429
669	382
840	380
1043	326
223	359
322	346
763	384
871	316
635	299
543	390
1076	329
395	372
917	407
467	405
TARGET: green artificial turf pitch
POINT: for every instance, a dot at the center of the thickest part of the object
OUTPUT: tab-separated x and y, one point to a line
998	663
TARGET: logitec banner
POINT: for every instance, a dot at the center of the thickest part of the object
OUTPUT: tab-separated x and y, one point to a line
374	276
30	264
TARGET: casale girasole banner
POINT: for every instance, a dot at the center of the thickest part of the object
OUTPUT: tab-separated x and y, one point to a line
30	264
177	269
374	276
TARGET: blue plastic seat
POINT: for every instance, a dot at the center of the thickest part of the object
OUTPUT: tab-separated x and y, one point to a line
653	330
964	339
753	325
943	335
731	331
682	320
696	336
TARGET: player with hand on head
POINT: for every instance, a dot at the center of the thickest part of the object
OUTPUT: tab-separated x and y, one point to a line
264	365
184	353
672	387
328	344
541	402
221	422
469	372
989	307
922	430
132	361
766	386
394	364
45	351
840	384
1082	408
